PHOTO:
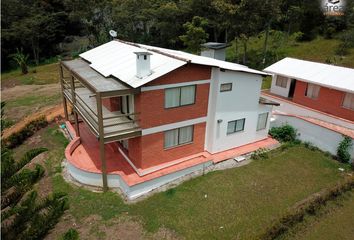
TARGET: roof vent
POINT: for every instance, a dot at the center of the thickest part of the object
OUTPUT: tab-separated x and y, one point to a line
214	50
143	68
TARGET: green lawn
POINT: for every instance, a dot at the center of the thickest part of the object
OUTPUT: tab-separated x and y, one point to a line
240	202
31	100
333	222
43	74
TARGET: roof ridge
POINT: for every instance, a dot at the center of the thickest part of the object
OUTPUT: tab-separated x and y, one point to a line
155	50
327	64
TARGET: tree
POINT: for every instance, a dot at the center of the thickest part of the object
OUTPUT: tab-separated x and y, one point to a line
195	34
21	59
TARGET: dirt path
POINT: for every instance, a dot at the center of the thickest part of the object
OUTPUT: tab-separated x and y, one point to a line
50	113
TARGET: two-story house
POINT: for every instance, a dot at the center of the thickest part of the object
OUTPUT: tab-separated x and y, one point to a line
144	116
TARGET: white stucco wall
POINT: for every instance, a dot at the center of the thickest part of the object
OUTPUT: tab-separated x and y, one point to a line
241	102
135	191
212	53
323	138
279	90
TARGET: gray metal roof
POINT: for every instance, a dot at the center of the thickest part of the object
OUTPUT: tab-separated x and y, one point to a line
93	78
112	66
215	45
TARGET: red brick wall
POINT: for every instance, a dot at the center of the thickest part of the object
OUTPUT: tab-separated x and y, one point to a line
329	101
187	73
148	151
151	104
112	104
135	150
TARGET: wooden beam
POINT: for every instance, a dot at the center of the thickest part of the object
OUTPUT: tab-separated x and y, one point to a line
62	92
101	140
76	118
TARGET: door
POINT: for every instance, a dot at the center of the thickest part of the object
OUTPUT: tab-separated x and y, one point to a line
292	88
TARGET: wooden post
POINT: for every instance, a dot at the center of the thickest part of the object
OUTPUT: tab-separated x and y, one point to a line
62	91
76	118
101	139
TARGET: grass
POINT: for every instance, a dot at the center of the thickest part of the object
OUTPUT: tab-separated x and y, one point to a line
22	106
43	74
333	222
31	100
253	195
318	50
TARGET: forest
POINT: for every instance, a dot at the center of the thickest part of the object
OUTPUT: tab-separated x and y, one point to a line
37	31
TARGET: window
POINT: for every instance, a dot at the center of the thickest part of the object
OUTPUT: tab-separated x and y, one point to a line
180	96
262	121
236	126
312	91
281	81
178	136
225	87
348	101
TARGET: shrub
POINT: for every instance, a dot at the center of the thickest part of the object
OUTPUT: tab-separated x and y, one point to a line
311	207
310	146
18	138
343	149
260	154
285	133
71	234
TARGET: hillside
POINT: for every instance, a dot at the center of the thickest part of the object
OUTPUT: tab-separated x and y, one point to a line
26	94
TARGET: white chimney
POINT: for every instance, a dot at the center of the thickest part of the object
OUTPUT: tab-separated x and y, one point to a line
143	68
214	50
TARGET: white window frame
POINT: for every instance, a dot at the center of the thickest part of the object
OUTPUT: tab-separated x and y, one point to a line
348	101
235	128
312	91
281	81
180	89
225	87
259	128
179	142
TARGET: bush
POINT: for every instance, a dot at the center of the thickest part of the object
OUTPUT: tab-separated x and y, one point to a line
311	207
343	149
18	138
310	146
71	234
260	154
285	133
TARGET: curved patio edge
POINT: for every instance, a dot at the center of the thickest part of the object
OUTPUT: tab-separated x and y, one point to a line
138	190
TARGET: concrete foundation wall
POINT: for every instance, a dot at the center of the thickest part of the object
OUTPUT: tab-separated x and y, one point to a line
135	191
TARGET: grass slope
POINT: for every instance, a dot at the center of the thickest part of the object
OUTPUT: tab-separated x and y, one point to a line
333	222
43	74
240	202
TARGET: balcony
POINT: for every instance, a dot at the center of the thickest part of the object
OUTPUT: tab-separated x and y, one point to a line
80	89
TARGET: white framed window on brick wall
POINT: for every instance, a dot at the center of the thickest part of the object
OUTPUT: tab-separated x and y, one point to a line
262	121
179	96
178	136
312	91
281	81
348	101
236	126
226	87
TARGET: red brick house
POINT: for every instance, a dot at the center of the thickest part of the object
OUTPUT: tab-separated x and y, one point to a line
144	116
323	87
